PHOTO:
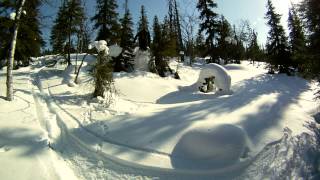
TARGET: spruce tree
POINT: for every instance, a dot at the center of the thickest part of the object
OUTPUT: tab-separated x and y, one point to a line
254	51
125	60
297	39
310	11
69	22
209	23
106	21
59	31
127	37
175	27
143	23
156	37
277	46
159	45
224	46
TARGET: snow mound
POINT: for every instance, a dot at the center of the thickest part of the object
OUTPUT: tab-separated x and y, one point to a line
141	59
222	79
219	147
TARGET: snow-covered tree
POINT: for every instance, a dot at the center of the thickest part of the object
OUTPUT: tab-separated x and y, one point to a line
102	74
209	23
106	21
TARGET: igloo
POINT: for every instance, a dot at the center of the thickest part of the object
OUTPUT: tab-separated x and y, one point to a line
221	78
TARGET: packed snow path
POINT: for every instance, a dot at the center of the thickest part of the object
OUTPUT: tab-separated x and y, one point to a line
24	151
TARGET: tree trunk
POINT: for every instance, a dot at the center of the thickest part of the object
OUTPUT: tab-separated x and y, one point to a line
12	52
78	69
179	30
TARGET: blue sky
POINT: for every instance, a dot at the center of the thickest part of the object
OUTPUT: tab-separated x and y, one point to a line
233	10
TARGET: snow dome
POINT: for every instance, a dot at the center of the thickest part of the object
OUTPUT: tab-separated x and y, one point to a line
222	80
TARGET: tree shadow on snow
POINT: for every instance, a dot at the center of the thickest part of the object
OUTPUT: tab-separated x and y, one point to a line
27	141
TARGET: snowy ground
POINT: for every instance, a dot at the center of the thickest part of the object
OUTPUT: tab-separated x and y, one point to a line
156	127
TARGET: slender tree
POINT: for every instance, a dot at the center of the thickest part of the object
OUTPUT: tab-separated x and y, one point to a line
106	21
143	23
209	23
179	33
13	49
277	41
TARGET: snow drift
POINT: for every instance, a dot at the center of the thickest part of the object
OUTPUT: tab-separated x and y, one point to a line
219	147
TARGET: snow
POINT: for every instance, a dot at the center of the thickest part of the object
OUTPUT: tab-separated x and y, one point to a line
13	16
207	149
222	79
156	128
115	50
141	59
100	46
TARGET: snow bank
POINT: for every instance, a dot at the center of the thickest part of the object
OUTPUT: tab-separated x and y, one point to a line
218	147
222	79
141	59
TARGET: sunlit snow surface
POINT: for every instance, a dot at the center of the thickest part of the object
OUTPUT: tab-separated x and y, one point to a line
160	127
